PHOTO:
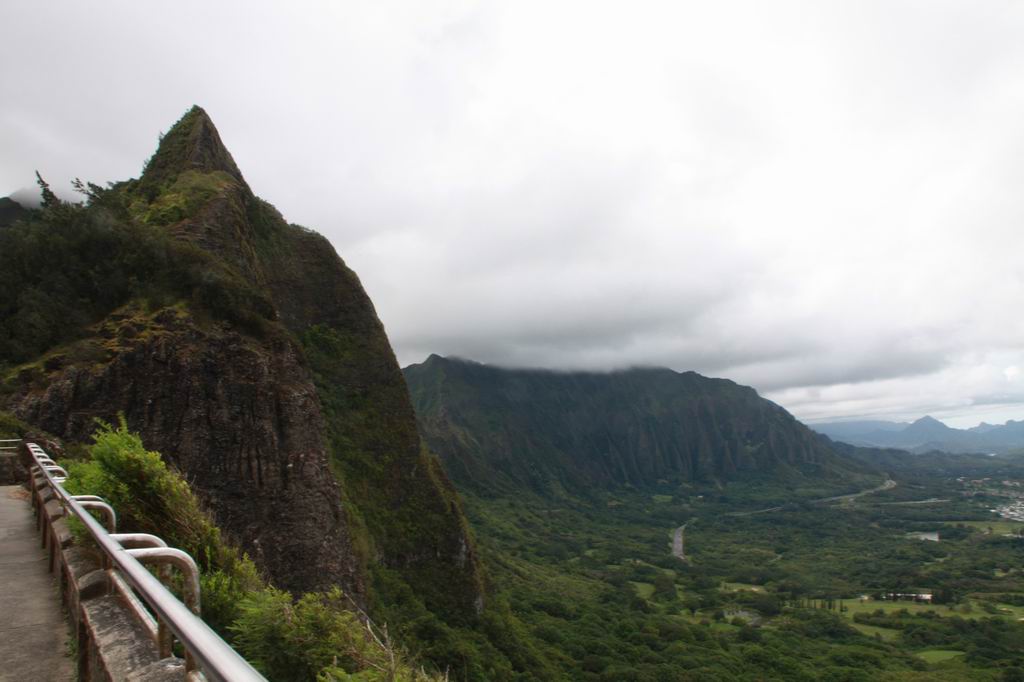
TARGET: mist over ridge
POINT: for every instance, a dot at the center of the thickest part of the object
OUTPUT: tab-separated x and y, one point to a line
817	200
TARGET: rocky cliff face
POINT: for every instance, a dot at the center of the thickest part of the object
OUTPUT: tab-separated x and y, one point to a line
293	420
239	417
554	432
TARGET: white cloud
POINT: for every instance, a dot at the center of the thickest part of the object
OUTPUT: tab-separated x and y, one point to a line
819	199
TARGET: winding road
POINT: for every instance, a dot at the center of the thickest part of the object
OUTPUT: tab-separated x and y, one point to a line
677	537
889	484
677	543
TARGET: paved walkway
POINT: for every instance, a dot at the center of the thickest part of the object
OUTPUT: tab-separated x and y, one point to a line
33	633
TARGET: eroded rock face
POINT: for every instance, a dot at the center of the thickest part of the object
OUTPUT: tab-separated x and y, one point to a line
239	417
502	430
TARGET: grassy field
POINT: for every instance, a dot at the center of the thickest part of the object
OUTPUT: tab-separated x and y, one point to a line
886	634
643	590
854	607
1010	611
968	610
938	655
736	587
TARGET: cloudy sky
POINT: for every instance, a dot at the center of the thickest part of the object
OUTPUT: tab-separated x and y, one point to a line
824	200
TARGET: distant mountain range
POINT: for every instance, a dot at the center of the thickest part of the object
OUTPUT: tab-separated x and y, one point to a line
928	434
502	430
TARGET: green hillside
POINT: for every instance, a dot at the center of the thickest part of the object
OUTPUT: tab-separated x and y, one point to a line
567	432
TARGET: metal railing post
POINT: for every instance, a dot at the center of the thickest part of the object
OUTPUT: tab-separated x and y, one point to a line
130	541
168	556
207	656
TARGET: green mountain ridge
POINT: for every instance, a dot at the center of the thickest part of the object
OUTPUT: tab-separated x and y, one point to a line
244	350
568	432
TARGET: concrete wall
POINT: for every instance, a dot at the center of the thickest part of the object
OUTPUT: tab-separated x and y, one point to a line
11	470
113	644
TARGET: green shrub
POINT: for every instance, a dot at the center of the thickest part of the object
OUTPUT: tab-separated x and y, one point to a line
147	495
12	427
223	591
294	641
315	638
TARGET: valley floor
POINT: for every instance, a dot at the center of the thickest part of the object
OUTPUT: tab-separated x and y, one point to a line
913	579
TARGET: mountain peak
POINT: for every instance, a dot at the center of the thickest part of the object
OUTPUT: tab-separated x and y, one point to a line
192	143
927	426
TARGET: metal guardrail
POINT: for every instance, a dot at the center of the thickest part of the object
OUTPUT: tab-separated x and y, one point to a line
207	656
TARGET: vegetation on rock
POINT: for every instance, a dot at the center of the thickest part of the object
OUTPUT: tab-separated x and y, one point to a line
317	636
567	432
243	350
